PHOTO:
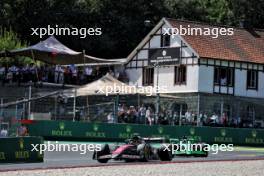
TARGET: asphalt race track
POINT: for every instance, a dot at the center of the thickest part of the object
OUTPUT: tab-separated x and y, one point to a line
75	159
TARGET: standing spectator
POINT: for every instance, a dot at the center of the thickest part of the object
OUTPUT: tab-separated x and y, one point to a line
67	75
33	73
122	113
2	74
25	73
80	77
57	73
215	119
51	74
45	77
12	71
74	74
9	76
88	73
149	116
111	72
110	118
4	132
238	121
22	131
142	113
61	75
188	116
97	72
223	120
19	75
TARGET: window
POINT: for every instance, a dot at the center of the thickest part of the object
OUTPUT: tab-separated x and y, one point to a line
180	74
165	40
252	79
250	113
148	76
224	76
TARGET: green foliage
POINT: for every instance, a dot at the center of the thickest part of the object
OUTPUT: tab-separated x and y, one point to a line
8	41
122	21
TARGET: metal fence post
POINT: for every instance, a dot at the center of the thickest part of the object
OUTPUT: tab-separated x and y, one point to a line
29	102
74	104
198	110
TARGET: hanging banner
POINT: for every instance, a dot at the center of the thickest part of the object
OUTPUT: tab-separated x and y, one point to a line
164	56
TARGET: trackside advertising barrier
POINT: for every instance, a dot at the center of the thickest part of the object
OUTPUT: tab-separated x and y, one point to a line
18	149
66	130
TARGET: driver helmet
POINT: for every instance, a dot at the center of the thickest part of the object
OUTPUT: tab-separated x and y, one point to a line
136	138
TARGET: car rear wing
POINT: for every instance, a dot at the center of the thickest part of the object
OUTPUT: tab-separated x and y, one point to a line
156	140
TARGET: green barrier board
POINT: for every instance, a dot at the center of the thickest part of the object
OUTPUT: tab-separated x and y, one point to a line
18	149
61	130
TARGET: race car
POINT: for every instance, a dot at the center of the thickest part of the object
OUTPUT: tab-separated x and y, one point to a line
188	146
135	149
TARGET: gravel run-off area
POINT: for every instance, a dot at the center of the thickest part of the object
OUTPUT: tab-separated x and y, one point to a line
222	168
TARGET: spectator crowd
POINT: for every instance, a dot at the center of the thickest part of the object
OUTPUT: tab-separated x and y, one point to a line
71	74
146	115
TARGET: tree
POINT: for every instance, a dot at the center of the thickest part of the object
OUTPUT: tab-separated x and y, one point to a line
122	21
9	41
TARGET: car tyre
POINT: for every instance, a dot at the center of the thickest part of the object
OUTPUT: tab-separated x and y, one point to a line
165	155
105	150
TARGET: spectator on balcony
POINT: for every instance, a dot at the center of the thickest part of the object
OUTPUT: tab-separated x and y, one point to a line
223	81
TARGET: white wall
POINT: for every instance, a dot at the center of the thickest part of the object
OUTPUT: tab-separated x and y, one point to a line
166	78
241	85
206	79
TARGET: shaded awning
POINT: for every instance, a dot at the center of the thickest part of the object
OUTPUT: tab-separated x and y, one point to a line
107	85
54	52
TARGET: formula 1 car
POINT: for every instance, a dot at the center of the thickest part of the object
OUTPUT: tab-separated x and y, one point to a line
188	147
135	149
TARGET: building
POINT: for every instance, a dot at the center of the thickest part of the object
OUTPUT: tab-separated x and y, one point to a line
221	76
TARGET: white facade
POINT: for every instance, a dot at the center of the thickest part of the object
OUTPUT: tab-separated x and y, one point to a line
199	76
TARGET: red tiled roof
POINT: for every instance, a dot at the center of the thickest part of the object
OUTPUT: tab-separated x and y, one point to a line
244	45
